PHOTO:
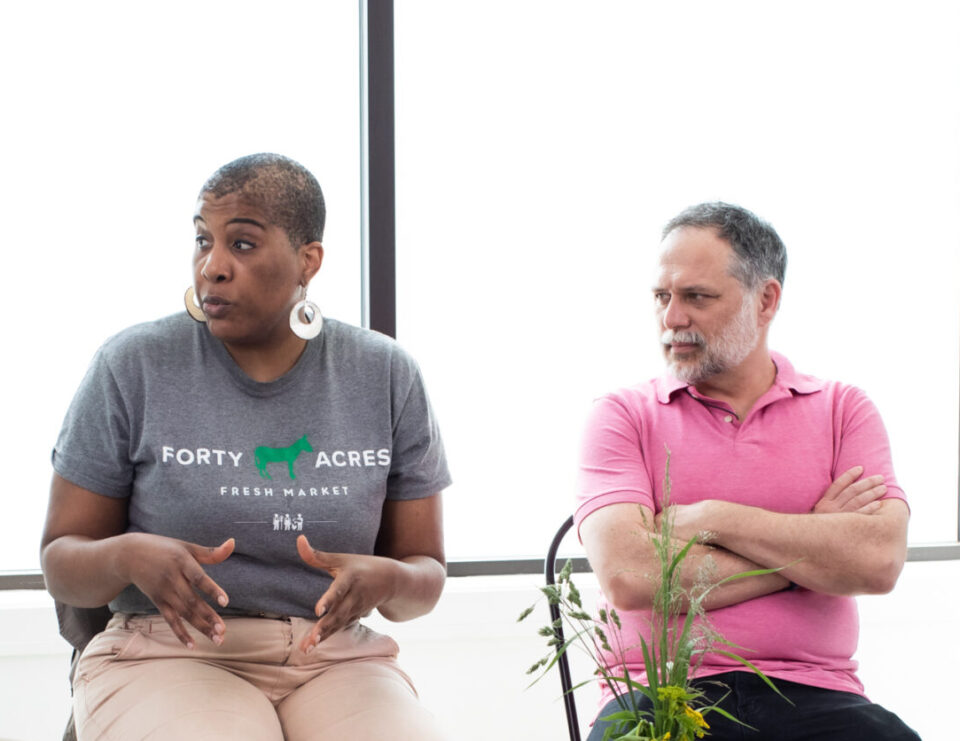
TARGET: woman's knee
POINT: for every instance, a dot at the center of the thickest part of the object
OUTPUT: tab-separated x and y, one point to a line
172	700
365	701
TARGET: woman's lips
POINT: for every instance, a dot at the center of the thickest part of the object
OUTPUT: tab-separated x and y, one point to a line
215	307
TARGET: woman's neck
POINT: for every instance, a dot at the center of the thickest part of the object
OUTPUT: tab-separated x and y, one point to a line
267	362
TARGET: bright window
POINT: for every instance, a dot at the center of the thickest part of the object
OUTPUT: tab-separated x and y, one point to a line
114	115
542	145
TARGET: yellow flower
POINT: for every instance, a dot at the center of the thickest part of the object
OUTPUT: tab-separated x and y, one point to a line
670	692
696	716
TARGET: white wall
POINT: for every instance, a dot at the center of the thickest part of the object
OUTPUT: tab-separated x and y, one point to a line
469	656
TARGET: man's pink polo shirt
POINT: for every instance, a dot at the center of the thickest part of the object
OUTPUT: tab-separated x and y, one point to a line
798	437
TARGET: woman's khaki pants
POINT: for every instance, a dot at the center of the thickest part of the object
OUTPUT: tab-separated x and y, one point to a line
137	681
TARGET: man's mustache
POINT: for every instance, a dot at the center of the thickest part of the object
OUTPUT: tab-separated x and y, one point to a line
671	336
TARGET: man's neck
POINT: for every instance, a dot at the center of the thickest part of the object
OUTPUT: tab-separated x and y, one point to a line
740	387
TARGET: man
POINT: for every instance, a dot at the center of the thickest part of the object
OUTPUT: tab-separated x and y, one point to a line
781	469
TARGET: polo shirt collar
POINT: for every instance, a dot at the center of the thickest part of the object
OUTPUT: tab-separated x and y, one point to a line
667	386
787	380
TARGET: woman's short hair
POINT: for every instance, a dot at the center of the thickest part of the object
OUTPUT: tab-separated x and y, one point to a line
287	191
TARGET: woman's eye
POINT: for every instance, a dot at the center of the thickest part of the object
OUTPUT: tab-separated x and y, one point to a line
243	245
202	242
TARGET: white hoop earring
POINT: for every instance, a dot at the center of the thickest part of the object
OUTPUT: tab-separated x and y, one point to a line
193	308
313	325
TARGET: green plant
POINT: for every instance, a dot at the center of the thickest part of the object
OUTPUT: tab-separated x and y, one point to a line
680	637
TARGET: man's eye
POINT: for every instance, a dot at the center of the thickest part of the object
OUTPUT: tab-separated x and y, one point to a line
202	242
243	245
661	298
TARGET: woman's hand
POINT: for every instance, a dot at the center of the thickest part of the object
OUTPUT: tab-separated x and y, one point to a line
402	581
88	559
360	584
169	573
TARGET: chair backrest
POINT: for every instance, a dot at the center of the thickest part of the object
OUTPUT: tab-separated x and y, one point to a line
563	664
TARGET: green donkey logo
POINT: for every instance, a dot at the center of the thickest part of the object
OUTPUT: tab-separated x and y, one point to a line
264	455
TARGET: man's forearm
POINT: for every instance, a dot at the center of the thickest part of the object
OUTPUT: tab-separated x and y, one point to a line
632	584
843	553
618	540
705	567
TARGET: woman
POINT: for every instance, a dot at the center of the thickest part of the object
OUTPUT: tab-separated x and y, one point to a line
241	487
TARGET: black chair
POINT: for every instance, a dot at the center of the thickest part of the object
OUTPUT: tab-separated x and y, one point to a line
563	664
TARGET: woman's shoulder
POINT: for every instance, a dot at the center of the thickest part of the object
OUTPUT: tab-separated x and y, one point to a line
150	340
344	337
363	349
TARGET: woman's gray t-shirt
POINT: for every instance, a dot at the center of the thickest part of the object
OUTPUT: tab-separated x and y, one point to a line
166	418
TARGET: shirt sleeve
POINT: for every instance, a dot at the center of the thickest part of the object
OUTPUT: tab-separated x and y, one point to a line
418	466
92	449
860	439
613	469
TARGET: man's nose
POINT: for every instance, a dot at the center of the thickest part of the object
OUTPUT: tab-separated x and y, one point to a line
217	267
673	316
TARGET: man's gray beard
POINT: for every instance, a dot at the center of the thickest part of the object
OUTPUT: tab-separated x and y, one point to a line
727	350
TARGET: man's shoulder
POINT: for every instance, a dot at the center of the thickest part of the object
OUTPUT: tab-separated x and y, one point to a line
637	393
639	401
806	384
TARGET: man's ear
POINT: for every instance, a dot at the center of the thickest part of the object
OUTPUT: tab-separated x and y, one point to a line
311	258
769	300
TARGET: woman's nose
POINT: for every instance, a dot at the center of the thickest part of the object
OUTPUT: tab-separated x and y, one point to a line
217	267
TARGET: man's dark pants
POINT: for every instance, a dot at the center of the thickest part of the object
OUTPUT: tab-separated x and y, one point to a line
815	715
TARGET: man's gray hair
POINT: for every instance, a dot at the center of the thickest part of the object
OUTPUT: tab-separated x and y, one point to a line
758	249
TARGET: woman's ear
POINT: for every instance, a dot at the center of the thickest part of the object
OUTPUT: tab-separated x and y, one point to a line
311	258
